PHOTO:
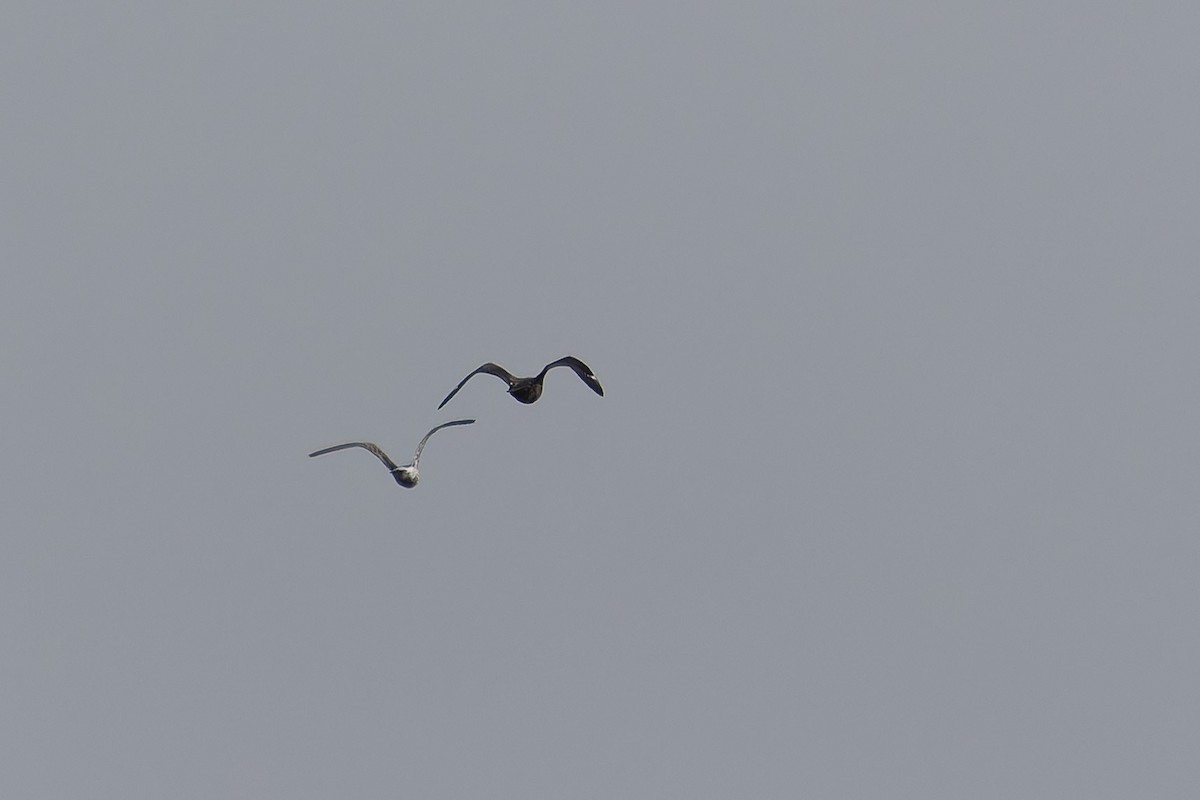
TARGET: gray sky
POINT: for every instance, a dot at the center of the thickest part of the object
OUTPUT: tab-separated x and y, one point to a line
892	492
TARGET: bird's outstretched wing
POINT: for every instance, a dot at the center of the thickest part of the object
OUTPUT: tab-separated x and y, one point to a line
581	369
489	369
368	446
421	446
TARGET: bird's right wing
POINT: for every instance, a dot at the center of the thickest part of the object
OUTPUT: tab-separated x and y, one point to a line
373	449
581	369
421	446
488	369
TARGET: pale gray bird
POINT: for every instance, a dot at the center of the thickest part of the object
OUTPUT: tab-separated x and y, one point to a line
528	390
407	475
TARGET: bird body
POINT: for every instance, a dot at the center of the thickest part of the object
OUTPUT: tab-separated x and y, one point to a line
528	390
406	475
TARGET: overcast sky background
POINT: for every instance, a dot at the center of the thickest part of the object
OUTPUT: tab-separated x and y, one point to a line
892	493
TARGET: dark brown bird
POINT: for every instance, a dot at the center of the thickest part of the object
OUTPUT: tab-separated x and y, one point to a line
528	390
407	475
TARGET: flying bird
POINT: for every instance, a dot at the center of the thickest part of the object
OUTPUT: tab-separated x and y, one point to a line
407	475
528	390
